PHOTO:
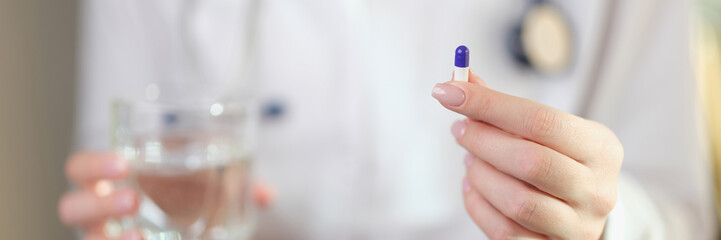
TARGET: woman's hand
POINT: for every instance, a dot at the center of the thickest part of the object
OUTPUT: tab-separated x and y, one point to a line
532	171
95	200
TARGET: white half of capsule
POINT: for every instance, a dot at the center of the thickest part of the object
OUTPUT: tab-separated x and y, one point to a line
460	74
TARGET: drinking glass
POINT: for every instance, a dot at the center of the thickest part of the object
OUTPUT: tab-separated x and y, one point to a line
190	163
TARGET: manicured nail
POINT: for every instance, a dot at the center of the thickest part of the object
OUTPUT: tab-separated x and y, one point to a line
448	94
124	202
115	167
458	128
468	159
466	185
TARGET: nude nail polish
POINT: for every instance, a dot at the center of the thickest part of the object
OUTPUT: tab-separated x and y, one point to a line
448	94
458	129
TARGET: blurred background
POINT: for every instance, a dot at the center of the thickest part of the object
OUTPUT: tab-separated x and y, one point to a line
38	43
37	76
708	73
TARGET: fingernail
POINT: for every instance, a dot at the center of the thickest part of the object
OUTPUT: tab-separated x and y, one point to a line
466	185
448	94
468	159
115	167
124	202
458	128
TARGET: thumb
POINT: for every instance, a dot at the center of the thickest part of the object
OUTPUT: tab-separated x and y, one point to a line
263	194
473	78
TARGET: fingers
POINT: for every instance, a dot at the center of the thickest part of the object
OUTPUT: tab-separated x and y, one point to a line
85	207
87	167
263	194
473	78
492	222
566	133
97	201
521	203
540	166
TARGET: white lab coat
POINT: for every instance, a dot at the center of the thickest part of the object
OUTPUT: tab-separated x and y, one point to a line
362	150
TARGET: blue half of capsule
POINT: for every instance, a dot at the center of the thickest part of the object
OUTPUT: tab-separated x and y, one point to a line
462	55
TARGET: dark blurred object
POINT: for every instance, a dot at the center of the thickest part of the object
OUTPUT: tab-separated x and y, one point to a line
543	39
37	81
273	110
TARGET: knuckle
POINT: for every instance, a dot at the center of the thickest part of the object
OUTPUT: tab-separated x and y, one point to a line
603	202
535	164
541	122
525	212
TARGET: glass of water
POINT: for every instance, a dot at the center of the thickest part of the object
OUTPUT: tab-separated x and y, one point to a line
190	163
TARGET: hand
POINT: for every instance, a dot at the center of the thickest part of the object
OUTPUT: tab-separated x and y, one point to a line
95	201
532	171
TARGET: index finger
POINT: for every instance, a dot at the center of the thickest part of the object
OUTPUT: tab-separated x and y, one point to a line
87	167
568	134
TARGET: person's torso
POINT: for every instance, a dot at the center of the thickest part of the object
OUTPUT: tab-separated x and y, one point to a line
359	149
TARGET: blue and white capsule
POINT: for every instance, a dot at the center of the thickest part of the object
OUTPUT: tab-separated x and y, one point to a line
460	73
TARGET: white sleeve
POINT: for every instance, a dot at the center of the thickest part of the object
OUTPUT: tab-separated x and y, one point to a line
639	214
635	215
648	97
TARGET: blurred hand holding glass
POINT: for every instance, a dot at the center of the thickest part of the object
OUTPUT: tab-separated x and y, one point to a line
190	163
